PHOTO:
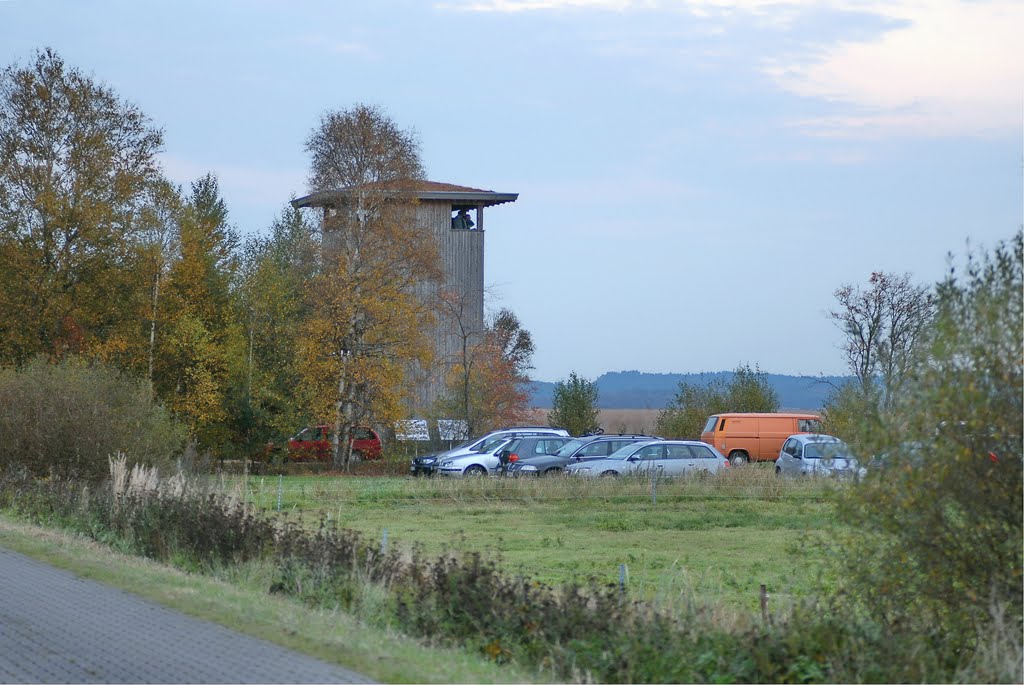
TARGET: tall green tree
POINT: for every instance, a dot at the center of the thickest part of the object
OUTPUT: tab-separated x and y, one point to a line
195	336
574	406
271	307
75	165
748	390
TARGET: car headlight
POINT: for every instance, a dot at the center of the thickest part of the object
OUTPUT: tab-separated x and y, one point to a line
580	469
527	467
429	460
446	463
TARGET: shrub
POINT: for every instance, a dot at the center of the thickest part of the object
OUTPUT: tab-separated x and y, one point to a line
574	405
747	391
937	527
67	419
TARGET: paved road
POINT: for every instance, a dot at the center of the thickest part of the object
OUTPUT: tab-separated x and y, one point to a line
58	628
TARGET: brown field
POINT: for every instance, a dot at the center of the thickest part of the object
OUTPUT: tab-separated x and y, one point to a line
614	420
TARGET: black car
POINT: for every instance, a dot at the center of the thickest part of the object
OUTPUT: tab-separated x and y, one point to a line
576	450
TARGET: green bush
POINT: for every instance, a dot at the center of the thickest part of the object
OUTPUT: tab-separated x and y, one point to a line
67	419
574	405
935	548
685	416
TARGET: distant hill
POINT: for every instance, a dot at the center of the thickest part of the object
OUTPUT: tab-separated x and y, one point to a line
637	390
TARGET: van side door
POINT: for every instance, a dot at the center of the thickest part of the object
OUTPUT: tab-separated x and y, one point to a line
774	431
739	433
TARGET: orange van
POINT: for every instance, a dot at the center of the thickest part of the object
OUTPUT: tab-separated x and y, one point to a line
755	437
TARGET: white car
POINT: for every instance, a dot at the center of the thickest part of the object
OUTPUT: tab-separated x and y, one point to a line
665	457
475	463
813	454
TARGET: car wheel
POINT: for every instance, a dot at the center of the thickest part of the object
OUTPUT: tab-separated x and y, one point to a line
778	471
475	471
357	456
738	458
609	474
554	470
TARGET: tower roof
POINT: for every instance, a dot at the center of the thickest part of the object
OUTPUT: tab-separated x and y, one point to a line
460	197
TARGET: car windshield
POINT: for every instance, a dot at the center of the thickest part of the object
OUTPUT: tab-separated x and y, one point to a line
463	446
489	445
826	450
624	452
568	448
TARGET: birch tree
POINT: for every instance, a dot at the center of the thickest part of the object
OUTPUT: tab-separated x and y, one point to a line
368	320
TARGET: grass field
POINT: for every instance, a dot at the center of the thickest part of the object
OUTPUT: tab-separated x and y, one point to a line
717	539
613	420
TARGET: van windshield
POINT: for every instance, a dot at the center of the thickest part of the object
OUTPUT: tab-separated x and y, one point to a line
710	427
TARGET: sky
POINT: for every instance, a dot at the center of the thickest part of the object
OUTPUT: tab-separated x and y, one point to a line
696	178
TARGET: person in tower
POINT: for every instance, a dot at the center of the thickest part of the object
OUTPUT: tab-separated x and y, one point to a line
462	221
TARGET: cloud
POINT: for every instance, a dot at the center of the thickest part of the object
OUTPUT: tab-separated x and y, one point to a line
927	68
949	68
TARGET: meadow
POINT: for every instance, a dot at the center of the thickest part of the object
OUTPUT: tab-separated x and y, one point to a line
716	538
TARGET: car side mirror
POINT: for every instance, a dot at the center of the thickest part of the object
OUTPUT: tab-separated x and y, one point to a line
634	459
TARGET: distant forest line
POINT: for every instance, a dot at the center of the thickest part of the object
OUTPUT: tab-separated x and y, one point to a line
638	390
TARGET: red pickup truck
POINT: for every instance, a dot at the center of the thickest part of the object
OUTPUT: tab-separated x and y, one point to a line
314	444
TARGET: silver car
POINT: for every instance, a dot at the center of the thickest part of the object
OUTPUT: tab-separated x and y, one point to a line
663	457
483	463
813	454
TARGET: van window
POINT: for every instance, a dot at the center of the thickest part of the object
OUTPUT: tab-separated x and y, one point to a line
808	425
710	426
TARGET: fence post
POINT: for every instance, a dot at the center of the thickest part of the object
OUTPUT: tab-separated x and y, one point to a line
764	604
384	542
280	489
623	575
654	484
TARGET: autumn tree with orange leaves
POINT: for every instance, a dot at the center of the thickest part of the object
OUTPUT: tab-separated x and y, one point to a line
487	384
